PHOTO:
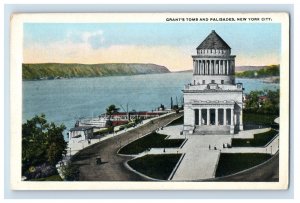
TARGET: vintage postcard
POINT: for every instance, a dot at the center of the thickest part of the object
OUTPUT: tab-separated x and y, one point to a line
149	101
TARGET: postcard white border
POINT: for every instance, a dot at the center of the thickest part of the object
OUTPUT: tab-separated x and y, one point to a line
16	59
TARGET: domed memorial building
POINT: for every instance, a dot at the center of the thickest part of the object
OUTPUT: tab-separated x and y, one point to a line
213	102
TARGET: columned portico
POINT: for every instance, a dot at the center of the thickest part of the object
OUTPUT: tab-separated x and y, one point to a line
209	66
214	116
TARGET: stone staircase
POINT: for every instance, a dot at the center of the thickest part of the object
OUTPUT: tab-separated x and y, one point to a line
212	130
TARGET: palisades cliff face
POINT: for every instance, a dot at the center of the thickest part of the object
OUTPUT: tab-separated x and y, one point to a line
44	71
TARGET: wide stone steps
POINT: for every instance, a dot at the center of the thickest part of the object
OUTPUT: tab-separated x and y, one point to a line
212	130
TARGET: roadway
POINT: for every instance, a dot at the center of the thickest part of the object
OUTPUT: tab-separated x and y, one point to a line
113	168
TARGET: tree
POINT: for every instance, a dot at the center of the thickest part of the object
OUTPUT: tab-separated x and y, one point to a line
266	101
111	110
70	172
252	103
42	142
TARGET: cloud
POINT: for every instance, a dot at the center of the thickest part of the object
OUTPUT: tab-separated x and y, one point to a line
95	39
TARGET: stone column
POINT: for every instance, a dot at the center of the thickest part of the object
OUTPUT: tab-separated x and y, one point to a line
241	120
231	122
192	117
199	63
196	68
194	65
224	69
200	68
213	66
200	117
208	116
204	64
224	117
207	67
210	67
204	67
216	116
227	68
218	66
223	66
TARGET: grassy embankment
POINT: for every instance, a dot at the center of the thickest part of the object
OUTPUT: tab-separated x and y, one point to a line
259	140
178	121
233	163
153	140
156	166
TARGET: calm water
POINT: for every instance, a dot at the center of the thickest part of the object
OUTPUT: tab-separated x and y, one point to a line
66	100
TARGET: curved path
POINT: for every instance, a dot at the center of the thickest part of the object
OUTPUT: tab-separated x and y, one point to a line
112	168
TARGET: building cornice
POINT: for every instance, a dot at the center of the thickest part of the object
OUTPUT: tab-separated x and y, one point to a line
210	91
220	57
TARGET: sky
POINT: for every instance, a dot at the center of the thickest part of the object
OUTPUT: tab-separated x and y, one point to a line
167	44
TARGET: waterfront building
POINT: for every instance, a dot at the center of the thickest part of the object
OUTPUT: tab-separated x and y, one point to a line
80	133
213	101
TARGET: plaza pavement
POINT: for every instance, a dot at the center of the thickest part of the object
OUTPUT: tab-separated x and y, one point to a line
202	152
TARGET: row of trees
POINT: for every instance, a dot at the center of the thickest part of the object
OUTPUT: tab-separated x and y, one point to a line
266	101
43	145
267	71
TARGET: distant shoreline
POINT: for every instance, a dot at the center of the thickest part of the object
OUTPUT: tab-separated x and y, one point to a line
53	71
104	76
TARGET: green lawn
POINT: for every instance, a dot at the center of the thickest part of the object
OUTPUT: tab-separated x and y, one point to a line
178	121
155	166
259	119
233	163
259	140
50	178
153	140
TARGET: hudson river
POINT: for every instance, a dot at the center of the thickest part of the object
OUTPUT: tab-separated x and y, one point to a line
66	100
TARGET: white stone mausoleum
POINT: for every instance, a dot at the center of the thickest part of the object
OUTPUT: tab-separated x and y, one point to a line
213	102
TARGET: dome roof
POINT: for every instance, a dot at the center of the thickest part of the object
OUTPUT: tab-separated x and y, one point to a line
213	41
